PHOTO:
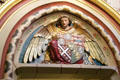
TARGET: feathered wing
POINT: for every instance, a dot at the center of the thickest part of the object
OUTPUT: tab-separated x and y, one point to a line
94	50
37	46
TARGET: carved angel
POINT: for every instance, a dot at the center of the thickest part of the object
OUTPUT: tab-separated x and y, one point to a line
64	42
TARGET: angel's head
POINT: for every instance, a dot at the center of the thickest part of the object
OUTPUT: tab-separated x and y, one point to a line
64	22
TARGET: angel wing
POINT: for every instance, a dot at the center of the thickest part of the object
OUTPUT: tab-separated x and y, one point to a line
94	50
37	46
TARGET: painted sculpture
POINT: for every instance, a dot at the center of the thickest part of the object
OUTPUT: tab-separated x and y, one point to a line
63	42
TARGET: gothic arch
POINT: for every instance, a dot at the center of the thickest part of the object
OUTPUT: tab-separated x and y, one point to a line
25	12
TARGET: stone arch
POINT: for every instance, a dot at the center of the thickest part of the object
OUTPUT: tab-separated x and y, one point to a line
59	3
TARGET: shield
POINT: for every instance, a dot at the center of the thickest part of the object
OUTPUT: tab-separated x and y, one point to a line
71	50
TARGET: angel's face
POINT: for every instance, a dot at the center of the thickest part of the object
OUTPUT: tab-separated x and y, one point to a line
64	22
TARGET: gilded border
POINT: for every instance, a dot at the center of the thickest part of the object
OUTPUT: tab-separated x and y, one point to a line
7	6
108	9
101	15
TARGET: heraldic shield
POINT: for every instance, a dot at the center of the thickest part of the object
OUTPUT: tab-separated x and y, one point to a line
70	48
